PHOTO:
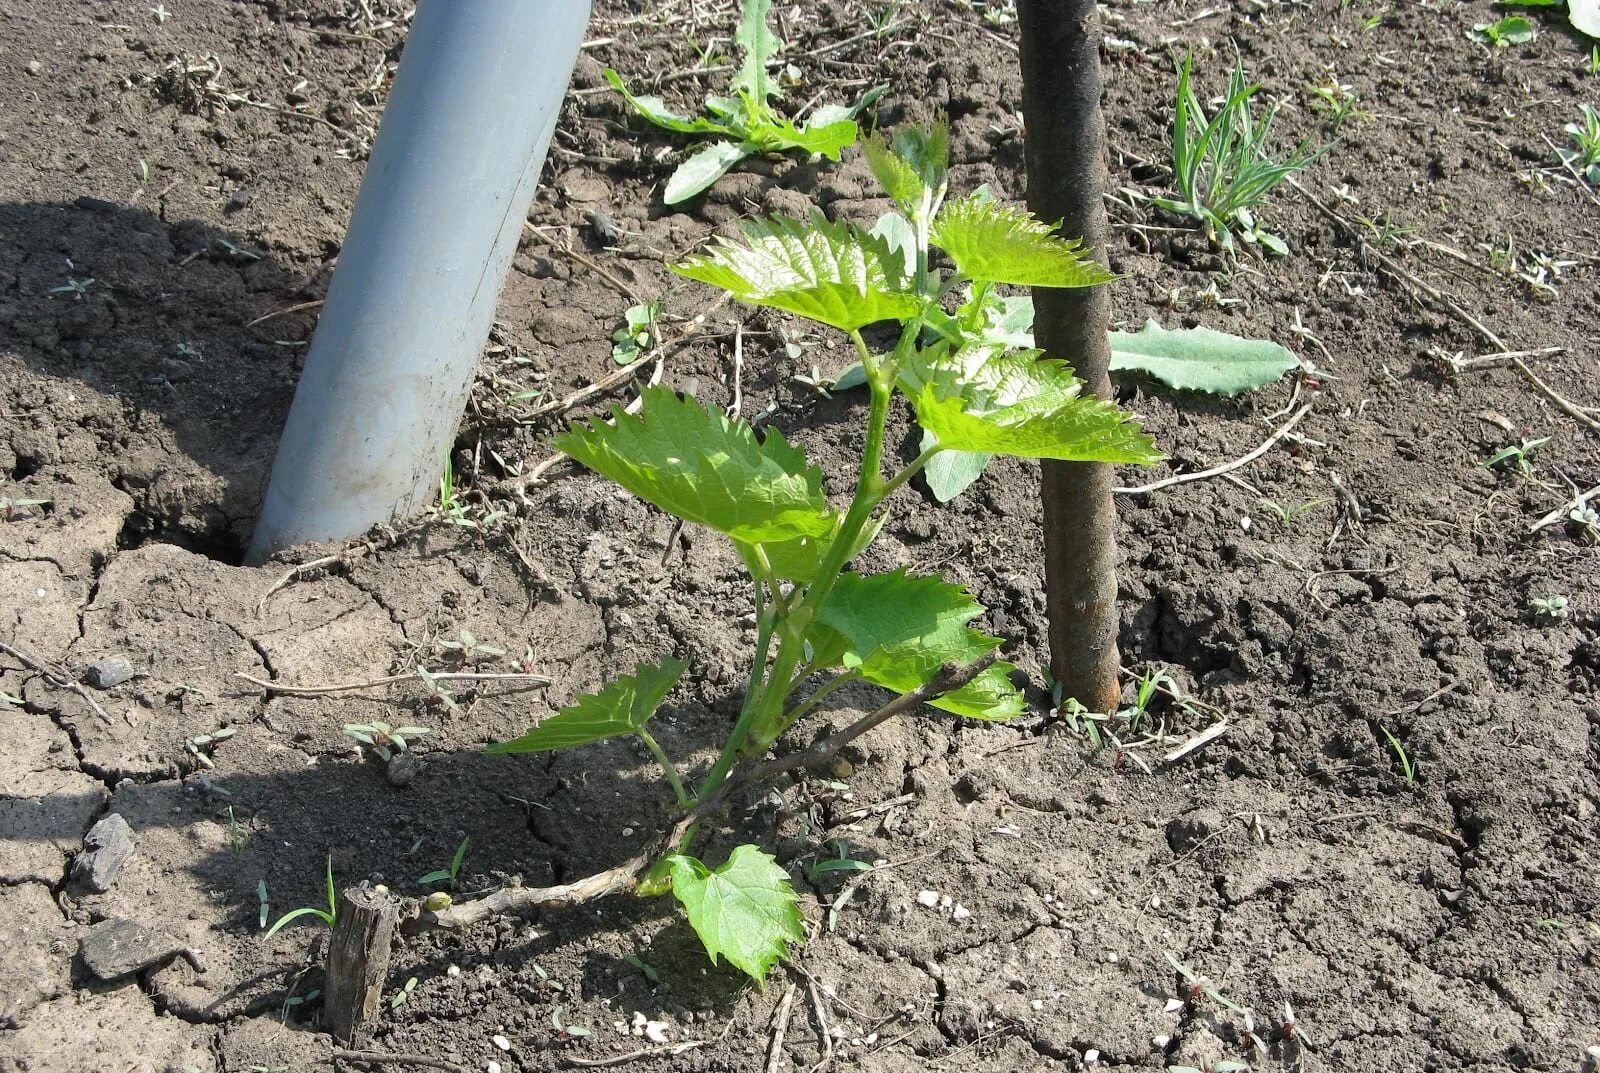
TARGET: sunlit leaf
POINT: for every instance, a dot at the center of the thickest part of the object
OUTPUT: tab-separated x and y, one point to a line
899	630
1051	416
656	111
696	174
989	241
833	273
698	464
912	167
745	911
622	706
828	139
757	44
1200	359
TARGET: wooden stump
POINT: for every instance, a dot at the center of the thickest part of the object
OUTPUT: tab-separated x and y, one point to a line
358	959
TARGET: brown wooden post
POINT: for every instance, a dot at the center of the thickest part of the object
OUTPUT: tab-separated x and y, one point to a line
358	959
1065	155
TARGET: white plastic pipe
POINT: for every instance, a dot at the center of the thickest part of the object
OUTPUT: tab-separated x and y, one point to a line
442	204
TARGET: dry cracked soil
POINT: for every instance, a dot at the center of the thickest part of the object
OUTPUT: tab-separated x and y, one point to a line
1393	833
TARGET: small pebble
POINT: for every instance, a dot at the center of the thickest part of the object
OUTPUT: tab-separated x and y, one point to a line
501	1042
492	1067
34	67
108	673
454	970
960	912
1091	1056
928	899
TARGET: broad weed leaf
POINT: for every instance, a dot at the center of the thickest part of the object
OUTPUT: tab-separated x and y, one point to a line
758	44
1020	404
656	111
696	174
988	241
898	630
1200	359
833	273
745	911
699	465
949	473
828	139
622	706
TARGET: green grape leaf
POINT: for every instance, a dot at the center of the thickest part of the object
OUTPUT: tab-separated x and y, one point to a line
697	464
1585	17
1050	416
622	706
745	911
833	273
989	241
758	44
899	630
703	168
912	167
799	559
656	111
1200	359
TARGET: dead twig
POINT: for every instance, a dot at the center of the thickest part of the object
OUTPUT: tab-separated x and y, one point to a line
780	1028
647	1052
284	312
1217	471
389	680
381	1058
57	678
1565	511
1390	266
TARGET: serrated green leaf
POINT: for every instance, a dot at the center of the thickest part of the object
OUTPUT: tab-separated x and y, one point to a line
989	241
745	911
622	706
1051	417
758	44
833	273
656	111
799	559
1200	359
697	464
899	630
697	174
912	167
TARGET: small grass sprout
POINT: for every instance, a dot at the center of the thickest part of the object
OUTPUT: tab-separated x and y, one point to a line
382	739
746	123
453	873
1520	454
1288	513
403	994
1407	769
1583	158
327	916
1337	100
16	510
1221	164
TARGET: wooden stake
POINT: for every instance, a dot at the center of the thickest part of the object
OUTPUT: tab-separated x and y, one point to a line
358	959
1065	154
